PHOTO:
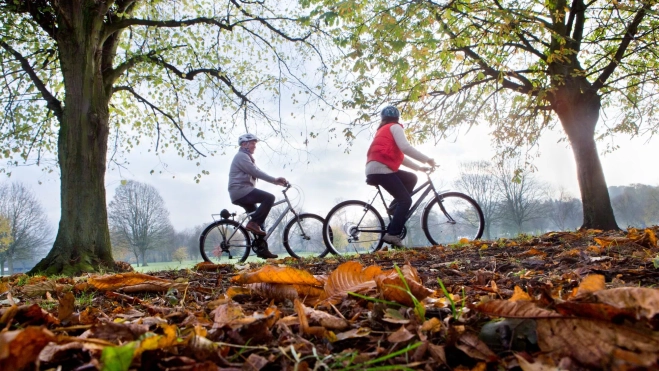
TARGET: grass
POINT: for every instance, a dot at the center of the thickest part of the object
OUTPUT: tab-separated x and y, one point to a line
163	266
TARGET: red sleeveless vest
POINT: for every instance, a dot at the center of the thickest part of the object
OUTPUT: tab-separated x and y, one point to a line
384	149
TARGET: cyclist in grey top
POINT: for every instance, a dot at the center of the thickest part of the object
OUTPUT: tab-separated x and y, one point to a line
242	191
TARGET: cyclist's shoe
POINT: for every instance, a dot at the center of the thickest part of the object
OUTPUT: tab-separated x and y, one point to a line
255	228
393	240
266	254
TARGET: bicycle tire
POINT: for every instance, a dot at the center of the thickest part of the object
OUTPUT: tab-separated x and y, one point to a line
307	241
467	219
353	227
215	236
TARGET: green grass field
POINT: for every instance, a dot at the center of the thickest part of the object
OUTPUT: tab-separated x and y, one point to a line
163	266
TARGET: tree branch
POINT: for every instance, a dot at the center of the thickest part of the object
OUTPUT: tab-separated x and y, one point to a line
632	29
157	109
51	102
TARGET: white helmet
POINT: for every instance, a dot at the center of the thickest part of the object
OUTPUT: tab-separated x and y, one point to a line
247	138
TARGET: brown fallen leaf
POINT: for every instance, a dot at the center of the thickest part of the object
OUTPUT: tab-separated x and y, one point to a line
354	333
642	300
597	343
304	322
400	336
21	348
471	345
326	320
66	306
133	282
514	309
394	289
591	283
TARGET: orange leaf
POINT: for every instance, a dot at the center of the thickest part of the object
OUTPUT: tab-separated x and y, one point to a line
591	283
66	306
133	282
393	288
271	274
514	309
350	277
520	295
280	292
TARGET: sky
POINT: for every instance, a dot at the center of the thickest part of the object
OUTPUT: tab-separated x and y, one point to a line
327	174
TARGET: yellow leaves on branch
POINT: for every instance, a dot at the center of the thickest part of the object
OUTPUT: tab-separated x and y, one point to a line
289	283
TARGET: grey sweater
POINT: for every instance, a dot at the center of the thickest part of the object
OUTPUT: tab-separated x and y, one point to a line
242	176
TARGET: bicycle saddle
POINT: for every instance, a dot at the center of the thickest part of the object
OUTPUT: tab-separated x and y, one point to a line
370	182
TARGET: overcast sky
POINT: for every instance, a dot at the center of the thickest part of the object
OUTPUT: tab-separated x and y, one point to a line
332	174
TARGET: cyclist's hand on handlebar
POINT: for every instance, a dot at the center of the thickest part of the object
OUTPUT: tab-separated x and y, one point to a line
425	169
432	163
281	181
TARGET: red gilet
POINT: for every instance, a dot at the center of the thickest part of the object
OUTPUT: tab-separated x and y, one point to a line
384	148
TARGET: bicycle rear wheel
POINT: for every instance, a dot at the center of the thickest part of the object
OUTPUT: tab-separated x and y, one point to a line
451	217
224	242
303	237
353	227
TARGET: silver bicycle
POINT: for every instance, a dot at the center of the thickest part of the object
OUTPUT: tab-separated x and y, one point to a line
226	239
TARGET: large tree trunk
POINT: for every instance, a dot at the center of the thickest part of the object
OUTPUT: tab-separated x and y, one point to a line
83	239
578	109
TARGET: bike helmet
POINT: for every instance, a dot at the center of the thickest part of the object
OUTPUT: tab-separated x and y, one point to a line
247	138
390	112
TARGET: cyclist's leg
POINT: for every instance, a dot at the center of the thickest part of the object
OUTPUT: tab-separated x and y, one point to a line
265	201
409	181
393	184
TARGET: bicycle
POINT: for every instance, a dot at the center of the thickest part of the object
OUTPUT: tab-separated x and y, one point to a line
301	236
447	218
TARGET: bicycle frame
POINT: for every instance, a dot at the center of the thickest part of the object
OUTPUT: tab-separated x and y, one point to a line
429	187
289	208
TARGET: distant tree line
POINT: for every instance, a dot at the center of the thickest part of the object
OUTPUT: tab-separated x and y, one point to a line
513	200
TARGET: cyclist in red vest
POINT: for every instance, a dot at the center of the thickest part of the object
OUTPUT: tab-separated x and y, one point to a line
387	152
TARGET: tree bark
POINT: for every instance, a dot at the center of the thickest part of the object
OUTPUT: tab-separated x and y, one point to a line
83	239
578	109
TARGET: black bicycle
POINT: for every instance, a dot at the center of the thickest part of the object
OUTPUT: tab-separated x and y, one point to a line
357	227
227	238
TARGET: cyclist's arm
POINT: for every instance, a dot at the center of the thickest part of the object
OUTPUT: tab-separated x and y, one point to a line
245	164
406	147
411	164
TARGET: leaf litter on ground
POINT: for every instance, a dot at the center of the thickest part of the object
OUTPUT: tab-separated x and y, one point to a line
560	301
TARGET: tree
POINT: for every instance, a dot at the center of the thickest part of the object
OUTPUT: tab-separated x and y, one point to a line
180	254
564	211
477	180
28	223
77	73
518	65
521	195
5	240
637	205
138	215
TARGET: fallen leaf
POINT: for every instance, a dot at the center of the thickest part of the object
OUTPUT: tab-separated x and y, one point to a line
254	362
20	348
643	301
401	335
520	295
66	306
514	309
272	274
133	282
304	323
597	343
471	345
591	283
354	333
394	289
350	277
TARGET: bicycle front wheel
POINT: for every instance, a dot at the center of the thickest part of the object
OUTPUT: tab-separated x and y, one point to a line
353	227
224	242
303	237
451	217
